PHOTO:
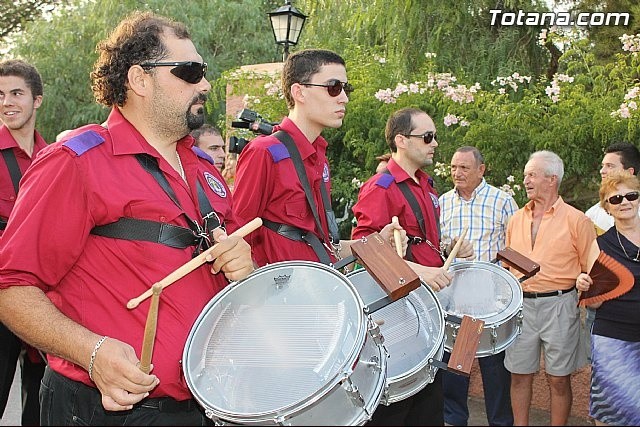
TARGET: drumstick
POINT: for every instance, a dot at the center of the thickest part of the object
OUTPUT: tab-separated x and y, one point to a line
397	237
191	265
455	249
150	329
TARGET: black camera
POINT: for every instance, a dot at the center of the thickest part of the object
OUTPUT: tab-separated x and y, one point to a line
253	121
237	144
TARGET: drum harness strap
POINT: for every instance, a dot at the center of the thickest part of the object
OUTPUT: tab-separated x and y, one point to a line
14	173
297	234
415	207
171	235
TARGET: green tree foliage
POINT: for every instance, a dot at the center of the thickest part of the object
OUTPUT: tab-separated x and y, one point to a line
404	30
15	13
227	34
606	37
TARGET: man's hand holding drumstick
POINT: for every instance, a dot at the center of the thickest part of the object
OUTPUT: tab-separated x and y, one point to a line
438	278
115	368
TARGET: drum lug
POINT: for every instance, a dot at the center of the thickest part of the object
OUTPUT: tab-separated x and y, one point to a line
353	392
494	338
374	331
519	320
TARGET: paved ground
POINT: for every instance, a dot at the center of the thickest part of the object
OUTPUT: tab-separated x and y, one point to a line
478	416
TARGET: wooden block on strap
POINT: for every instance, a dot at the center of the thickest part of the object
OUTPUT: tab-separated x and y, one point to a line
390	271
518	261
466	345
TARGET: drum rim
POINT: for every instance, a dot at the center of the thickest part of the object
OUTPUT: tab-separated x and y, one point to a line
441	333
294	408
514	304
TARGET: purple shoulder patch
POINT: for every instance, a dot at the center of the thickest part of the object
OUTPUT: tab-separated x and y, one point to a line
84	142
278	152
385	180
202	154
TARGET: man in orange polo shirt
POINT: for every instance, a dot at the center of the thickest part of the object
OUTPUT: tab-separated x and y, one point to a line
558	237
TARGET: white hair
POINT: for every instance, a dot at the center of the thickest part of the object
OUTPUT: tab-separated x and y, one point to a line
552	163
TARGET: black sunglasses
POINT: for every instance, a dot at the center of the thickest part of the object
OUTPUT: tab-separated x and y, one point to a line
428	136
189	71
334	87
617	199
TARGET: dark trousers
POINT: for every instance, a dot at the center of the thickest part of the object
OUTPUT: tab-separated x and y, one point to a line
11	350
496	382
67	402
424	408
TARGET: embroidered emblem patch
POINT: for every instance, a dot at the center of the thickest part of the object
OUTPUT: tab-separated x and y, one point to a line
434	198
325	173
215	185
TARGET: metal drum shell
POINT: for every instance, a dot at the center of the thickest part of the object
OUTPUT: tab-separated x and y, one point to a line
406	373
332	402
501	328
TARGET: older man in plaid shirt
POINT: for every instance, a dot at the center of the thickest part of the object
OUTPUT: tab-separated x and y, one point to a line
486	210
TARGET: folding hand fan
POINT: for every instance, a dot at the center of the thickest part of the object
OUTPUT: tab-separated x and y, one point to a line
610	280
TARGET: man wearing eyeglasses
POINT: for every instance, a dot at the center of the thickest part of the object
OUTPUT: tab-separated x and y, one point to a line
285	178
111	210
21	94
411	136
557	237
210	142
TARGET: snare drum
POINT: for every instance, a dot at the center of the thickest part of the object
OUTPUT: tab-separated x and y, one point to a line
288	345
486	292
413	331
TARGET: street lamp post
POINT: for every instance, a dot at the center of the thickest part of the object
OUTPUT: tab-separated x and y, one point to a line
287	23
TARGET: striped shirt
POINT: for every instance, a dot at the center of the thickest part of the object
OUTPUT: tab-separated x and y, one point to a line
486	214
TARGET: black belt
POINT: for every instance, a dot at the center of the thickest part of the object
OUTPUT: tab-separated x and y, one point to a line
547	294
167	404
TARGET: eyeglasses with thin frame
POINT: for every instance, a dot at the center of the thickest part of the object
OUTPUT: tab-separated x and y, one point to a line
334	87
427	137
617	199
190	71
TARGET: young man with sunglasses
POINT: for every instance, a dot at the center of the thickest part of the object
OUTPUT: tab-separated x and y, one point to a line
20	97
557	237
273	170
411	136
111	210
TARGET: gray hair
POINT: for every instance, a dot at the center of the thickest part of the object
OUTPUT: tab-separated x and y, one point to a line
553	164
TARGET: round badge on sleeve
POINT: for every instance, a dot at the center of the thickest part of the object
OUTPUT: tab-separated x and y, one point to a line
215	185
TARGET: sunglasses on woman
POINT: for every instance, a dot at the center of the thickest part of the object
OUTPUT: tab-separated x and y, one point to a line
427	137
617	199
189	71
334	87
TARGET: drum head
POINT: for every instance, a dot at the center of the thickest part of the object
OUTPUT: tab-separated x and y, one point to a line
273	343
482	290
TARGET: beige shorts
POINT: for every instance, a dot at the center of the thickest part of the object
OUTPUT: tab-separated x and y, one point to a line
551	324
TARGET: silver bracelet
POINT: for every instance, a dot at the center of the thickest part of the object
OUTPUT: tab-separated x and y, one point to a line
93	356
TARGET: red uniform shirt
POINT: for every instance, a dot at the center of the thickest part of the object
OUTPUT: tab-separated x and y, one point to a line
93	179
7	192
267	186
380	199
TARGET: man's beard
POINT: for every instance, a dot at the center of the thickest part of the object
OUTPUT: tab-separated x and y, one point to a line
195	121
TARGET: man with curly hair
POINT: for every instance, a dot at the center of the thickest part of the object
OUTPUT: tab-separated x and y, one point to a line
112	209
